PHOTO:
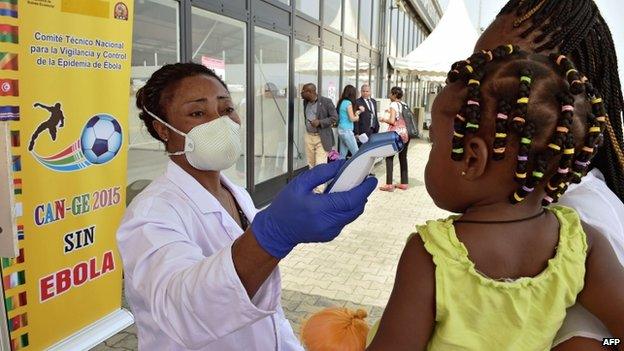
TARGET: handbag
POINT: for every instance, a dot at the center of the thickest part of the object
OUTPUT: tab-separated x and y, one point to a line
400	128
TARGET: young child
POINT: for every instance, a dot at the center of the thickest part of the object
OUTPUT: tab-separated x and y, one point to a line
509	133
335	329
501	275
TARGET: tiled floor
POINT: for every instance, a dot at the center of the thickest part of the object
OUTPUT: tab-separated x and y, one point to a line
357	269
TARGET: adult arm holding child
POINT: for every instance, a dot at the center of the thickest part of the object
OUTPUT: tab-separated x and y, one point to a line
603	293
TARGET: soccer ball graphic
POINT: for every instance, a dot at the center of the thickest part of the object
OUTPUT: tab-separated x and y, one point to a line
101	139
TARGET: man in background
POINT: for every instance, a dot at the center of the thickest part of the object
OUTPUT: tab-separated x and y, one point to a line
320	115
368	123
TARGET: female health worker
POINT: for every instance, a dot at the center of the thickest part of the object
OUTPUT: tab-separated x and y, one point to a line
200	262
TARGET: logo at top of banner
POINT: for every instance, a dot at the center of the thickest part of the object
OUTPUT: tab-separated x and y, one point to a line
99	142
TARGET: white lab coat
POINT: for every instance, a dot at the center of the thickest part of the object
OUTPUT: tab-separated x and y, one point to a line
601	209
175	241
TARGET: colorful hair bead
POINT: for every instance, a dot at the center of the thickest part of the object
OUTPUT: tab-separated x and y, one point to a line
524	100
460	117
469	68
525	79
565	108
561	57
568	151
538	175
527	189
594	130
517	197
563	170
588	149
581	163
596	100
554	147
519	119
474	81
562	129
571	70
502	116
472	125
548	199
521	175
472	102
601	119
511	49
458	135
501	135
458	150
523	158
500	150
525	141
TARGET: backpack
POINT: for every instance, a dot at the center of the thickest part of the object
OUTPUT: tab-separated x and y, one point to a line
410	121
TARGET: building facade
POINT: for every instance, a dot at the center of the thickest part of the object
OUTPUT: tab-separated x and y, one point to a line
265	50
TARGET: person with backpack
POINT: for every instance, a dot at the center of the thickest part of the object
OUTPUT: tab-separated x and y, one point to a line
394	117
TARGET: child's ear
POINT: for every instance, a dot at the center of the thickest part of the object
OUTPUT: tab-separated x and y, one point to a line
476	158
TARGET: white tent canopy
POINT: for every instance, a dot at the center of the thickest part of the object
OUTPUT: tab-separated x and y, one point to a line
452	40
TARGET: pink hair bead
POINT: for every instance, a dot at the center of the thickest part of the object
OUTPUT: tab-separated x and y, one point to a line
567	108
563	170
472	102
502	116
523	158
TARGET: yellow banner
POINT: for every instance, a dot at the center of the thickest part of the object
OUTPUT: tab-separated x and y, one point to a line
64	82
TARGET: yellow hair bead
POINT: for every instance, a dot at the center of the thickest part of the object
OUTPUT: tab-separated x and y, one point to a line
518	198
473	81
525	141
601	119
521	175
499	150
554	146
511	48
469	68
519	119
568	151
525	79
596	101
458	151
501	135
458	135
550	187
524	100
570	71
594	130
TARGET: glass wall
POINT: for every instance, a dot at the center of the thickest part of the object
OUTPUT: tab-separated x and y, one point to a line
374	80
331	75
376	19
365	21
399	52
309	7
394	25
349	71
219	44
351	17
155	43
306	71
271	104
363	74
332	14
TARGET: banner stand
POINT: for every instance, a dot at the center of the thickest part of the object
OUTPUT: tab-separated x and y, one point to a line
97	332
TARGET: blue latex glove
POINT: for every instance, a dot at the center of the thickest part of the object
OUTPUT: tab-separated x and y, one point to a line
298	215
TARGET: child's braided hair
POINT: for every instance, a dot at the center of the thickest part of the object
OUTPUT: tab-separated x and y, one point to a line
550	96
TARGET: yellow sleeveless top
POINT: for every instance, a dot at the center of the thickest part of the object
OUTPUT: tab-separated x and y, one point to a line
474	312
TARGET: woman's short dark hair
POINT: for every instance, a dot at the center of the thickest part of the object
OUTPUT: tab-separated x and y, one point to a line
153	94
397	92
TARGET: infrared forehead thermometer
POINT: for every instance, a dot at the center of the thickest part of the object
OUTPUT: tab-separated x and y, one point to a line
358	167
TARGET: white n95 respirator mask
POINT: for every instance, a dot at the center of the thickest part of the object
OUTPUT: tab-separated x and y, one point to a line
211	146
